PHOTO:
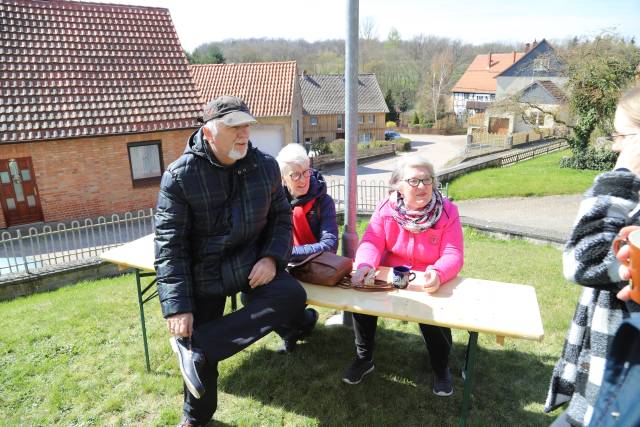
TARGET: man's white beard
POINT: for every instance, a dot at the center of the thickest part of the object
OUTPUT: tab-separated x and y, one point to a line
237	154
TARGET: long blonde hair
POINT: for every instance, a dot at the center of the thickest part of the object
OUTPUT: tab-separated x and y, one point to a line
630	104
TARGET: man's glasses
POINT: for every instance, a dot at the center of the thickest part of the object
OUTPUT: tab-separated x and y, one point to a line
297	175
414	182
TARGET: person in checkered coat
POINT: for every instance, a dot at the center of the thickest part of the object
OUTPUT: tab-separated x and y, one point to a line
608	206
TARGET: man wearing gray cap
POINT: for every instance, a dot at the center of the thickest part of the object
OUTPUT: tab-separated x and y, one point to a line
223	226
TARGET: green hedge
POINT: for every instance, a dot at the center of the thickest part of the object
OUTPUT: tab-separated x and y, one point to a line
592	158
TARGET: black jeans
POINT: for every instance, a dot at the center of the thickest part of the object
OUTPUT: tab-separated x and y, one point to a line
220	337
295	324
437	339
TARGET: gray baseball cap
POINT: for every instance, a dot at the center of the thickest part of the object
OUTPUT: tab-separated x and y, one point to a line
230	109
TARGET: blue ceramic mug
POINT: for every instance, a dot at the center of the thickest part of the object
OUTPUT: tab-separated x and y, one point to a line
402	275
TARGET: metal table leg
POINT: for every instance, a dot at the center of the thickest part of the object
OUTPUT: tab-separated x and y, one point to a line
141	302
469	365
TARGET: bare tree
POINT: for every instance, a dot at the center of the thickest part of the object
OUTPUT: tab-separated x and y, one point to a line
368	29
441	70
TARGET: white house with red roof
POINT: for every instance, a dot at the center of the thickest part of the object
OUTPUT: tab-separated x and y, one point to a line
476	88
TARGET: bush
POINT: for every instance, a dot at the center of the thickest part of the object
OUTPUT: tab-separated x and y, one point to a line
594	159
427	124
320	146
337	147
391	124
378	144
363	146
403	144
416	119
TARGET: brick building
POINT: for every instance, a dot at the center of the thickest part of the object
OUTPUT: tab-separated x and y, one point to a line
96	99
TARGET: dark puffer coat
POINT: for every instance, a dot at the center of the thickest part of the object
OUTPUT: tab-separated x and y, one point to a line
214	222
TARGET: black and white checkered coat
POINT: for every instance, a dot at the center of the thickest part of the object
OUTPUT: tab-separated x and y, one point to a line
588	260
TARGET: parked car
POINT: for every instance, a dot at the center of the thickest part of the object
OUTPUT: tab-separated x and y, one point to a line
391	135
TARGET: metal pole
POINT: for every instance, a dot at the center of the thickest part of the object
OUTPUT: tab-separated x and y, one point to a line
142	321
349	235
469	365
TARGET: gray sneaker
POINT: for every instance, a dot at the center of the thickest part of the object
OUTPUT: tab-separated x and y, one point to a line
443	386
358	369
190	361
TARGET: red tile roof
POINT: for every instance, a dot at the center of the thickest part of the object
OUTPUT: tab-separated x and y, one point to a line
70	69
266	87
480	77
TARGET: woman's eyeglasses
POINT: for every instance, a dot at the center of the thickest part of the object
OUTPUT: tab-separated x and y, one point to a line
414	182
297	175
614	136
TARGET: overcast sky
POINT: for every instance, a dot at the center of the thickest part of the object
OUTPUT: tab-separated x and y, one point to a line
476	22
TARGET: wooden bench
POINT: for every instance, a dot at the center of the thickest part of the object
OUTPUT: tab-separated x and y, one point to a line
474	305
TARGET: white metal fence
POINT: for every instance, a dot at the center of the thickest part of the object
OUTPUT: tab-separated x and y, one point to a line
368	197
35	250
51	247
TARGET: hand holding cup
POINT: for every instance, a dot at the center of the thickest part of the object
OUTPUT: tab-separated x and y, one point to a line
626	247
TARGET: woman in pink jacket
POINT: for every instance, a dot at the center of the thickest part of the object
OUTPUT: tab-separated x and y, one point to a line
415	227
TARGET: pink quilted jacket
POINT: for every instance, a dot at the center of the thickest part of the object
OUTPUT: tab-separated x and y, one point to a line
439	248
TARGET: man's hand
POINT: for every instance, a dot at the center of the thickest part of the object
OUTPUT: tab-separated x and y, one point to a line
262	272
432	281
180	325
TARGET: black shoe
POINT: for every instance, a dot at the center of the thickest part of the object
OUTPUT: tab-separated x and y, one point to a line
443	386
357	371
312	318
289	343
190	360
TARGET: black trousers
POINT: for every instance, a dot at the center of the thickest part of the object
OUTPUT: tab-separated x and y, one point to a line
296	323
220	337
437	339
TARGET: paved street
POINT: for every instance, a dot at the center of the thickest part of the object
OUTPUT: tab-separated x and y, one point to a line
439	149
549	216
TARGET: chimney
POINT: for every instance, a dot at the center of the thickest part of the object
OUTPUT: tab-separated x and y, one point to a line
489	63
535	43
514	56
527	47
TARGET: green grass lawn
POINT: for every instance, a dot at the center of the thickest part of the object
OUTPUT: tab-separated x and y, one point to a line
541	176
74	357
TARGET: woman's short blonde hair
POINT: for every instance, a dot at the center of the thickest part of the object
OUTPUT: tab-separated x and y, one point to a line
292	154
630	104
411	161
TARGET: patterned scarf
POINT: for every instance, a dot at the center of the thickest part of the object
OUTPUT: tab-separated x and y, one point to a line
420	220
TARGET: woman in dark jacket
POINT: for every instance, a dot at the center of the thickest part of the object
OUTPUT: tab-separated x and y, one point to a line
314	224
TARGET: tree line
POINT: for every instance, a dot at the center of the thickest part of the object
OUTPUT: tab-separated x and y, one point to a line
405	69
416	75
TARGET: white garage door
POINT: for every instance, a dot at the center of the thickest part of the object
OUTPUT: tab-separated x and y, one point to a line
268	138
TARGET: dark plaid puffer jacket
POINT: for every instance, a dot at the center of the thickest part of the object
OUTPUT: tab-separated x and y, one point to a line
213	223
